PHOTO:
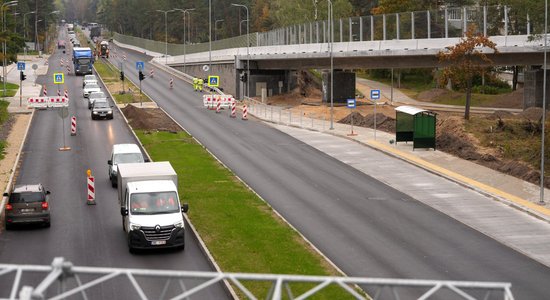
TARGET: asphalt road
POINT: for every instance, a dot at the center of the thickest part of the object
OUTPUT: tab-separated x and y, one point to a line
83	234
364	226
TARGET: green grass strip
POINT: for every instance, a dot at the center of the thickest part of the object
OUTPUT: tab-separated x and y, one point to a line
4	116
241	231
112	75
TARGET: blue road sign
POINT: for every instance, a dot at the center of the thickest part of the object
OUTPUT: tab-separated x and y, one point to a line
214	81
21	66
375	94
58	78
351	103
140	65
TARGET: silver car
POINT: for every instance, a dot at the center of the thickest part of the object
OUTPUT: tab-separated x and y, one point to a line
95	96
28	204
89	79
90	88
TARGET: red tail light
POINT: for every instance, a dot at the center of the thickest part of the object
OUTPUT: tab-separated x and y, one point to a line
9	207
44	205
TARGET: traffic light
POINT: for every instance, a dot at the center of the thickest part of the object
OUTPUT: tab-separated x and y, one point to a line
22	76
122	75
141	76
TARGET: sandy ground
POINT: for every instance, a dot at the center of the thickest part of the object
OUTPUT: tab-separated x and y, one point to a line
15	139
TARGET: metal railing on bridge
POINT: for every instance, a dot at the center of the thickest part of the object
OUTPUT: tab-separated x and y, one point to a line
430	24
63	280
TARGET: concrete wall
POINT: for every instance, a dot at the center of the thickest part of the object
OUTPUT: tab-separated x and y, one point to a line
533	88
226	71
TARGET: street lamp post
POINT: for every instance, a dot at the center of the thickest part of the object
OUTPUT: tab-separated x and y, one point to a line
541	200
331	36
165	32
188	12
247	48
241	25
7	4
25	24
216	29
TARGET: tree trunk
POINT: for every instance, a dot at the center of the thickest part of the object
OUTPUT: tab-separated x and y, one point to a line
515	78
468	98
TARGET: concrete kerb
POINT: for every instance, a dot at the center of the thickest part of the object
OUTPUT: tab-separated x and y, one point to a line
203	247
15	165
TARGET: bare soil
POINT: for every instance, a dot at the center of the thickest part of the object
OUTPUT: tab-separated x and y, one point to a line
149	119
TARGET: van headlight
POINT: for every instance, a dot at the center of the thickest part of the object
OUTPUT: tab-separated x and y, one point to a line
135	226
179	224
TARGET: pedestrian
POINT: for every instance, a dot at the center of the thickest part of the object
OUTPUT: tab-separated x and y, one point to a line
200	84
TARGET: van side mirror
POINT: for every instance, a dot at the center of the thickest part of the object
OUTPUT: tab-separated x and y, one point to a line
110	162
123	211
48	192
185	207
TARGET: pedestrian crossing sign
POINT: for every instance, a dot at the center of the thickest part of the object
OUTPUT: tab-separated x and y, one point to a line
213	81
58	78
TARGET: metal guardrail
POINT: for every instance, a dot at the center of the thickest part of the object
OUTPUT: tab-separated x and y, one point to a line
431	24
63	280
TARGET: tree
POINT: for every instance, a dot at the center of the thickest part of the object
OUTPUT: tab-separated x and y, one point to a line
465	59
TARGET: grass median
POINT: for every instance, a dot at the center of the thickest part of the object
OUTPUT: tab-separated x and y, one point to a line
241	231
4	116
111	78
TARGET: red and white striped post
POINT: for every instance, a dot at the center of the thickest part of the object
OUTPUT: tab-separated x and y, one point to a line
218	104
233	109
45	91
91	188
73	125
245	113
171	83
61	62
66	94
58	93
152	73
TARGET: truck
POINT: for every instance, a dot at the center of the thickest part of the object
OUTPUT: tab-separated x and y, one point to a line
152	216
102	49
95	32
83	58
70	27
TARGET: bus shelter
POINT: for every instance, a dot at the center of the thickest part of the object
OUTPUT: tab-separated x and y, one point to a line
415	125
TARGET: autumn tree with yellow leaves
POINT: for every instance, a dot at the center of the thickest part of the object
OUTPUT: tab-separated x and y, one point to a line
466	59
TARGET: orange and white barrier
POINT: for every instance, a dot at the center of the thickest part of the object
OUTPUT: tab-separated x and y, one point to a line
45	91
58	102
245	113
58	93
66	94
73	125
152	73
91	189
218	105
233	109
210	101
44	102
171	83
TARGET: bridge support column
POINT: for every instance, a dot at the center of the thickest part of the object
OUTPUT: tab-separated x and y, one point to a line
344	86
533	87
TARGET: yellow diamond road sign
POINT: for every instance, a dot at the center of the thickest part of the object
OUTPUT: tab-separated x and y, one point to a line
58	78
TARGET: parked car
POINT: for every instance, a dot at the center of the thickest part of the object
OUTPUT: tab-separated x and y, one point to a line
96	96
28	204
89	79
102	110
123	154
90	88
61	44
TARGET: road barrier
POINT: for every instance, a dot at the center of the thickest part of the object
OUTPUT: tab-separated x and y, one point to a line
61	62
171	83
44	102
245	112
210	101
45	91
66	94
152	73
91	188
233	109
73	125
58	93
218	104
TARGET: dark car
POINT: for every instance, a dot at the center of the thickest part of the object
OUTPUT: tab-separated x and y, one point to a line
60	44
28	204
101	110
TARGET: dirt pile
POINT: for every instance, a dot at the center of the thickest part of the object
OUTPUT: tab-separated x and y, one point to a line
383	122
149	119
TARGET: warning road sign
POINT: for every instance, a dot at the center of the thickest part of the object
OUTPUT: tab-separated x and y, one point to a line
58	78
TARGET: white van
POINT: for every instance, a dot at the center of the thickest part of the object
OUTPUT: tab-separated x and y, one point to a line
122	154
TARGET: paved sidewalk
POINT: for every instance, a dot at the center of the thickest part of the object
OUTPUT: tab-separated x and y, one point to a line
29	87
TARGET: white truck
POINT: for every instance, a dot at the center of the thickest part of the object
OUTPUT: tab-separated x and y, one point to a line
150	207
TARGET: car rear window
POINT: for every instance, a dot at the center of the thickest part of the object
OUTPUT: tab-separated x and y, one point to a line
26	197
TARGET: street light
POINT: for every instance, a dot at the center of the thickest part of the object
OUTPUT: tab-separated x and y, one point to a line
165	32
7	4
188	12
46	30
541	200
25	23
216	28
241	25
247	49
331	36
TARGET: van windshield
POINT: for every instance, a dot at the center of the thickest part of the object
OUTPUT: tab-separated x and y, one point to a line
154	203
126	158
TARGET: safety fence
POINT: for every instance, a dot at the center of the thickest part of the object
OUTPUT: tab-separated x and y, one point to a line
63	280
446	22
